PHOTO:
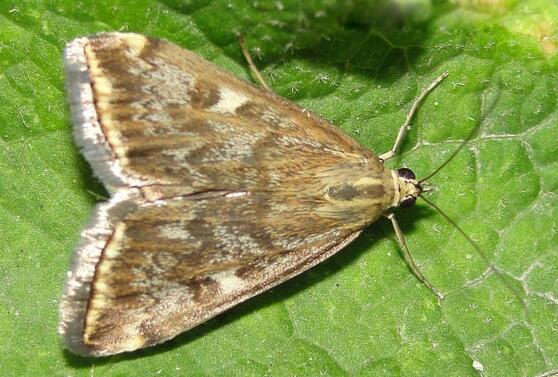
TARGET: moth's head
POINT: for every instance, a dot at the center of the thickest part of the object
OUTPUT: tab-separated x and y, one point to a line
409	187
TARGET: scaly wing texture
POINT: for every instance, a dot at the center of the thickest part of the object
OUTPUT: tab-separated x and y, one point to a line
170	266
165	116
220	191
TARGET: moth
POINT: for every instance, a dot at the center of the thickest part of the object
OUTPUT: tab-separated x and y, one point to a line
219	190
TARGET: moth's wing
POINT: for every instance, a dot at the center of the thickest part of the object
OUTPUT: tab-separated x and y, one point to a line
170	266
148	113
219	191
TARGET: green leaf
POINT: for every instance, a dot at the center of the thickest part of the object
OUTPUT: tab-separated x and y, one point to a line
358	64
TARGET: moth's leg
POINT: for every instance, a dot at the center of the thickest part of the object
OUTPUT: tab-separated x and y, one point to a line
251	64
409	259
407	125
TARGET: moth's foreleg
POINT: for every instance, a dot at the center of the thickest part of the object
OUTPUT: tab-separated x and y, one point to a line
409	259
407	125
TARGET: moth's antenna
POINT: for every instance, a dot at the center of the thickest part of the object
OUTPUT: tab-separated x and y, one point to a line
455	152
459	229
467	139
479	252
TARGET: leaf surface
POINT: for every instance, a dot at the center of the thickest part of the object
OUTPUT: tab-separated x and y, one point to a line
362	312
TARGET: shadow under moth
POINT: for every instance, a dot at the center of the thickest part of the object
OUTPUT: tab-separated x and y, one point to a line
219	191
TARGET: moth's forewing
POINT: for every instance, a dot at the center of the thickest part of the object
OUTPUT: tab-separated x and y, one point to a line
219	191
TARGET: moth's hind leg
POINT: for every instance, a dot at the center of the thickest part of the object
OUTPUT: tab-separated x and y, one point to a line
407	125
251	64
409	259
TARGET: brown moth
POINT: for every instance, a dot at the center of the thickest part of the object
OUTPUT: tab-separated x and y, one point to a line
219	191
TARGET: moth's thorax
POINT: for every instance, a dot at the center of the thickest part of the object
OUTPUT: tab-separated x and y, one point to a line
360	193
406	189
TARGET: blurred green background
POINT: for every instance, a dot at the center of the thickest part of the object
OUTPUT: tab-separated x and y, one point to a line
358	64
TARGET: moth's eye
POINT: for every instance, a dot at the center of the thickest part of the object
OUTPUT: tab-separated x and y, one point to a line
409	202
406	173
